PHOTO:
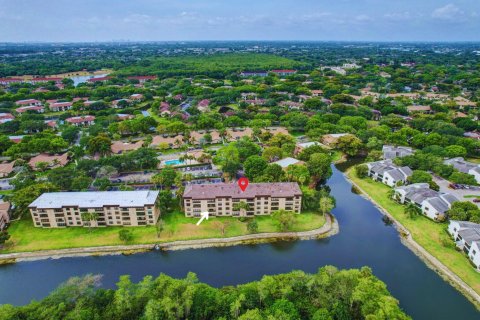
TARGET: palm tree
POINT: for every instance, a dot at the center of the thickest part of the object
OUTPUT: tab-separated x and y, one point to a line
241	206
392	194
411	210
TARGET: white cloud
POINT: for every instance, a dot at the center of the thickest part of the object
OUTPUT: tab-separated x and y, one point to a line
450	12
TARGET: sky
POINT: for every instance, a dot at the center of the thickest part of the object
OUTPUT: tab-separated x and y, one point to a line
172	20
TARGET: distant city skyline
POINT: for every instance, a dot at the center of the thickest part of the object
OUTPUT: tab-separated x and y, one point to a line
197	20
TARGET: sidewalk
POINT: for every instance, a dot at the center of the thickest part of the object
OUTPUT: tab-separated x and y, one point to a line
328	229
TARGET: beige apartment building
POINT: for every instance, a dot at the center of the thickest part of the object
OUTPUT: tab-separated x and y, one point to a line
110	208
223	199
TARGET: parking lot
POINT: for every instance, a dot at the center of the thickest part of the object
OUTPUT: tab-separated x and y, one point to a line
459	193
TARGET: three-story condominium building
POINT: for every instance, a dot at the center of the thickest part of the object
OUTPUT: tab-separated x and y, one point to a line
227	199
95	209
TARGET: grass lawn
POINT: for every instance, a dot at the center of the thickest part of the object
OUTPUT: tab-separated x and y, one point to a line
430	235
336	156
25	237
474	160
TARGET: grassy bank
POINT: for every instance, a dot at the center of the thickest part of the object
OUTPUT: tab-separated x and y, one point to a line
25	237
430	235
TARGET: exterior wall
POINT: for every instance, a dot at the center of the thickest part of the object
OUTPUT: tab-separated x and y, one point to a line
400	196
474	255
3	222
429	211
453	228
107	216
260	205
63	108
388	180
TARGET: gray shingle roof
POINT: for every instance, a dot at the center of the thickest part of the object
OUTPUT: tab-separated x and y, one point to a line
470	234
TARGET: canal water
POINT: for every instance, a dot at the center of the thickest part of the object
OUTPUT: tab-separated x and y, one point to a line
364	240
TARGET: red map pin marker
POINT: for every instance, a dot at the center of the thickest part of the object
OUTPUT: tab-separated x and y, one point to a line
243	183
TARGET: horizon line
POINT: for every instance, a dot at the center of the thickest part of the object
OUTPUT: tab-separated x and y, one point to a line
244	41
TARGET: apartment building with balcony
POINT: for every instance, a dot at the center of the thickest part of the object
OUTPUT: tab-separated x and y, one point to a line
95	209
224	199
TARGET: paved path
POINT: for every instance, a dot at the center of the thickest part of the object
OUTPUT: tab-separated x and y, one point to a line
328	229
426	256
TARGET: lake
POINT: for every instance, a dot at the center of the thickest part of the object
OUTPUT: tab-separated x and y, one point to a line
364	240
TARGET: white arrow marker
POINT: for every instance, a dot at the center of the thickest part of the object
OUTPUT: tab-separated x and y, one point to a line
204	216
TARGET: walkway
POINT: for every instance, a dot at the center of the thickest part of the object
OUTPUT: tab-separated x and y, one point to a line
328	229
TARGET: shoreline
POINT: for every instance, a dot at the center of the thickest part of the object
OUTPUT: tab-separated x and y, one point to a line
430	260
330	228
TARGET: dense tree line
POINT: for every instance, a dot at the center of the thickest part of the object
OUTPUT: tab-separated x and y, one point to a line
328	294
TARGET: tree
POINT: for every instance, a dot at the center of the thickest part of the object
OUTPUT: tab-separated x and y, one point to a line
228	159
252	226
159	227
101	184
241	206
319	167
464	211
125	235
326	204
100	144
272	154
411	210
4	236
89	217
165	200
462	178
23	197
298	173
361	170
454	151
349	144
325	295
254	166
165	178
70	134
285	219
310	199
81	182
420	176
246	148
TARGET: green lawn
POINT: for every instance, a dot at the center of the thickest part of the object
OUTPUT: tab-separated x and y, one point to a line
25	237
430	235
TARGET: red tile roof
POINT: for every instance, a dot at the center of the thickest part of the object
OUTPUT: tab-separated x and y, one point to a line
61	159
80	119
27	108
26	102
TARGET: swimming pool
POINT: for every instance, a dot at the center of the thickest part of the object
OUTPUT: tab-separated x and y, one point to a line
175	162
